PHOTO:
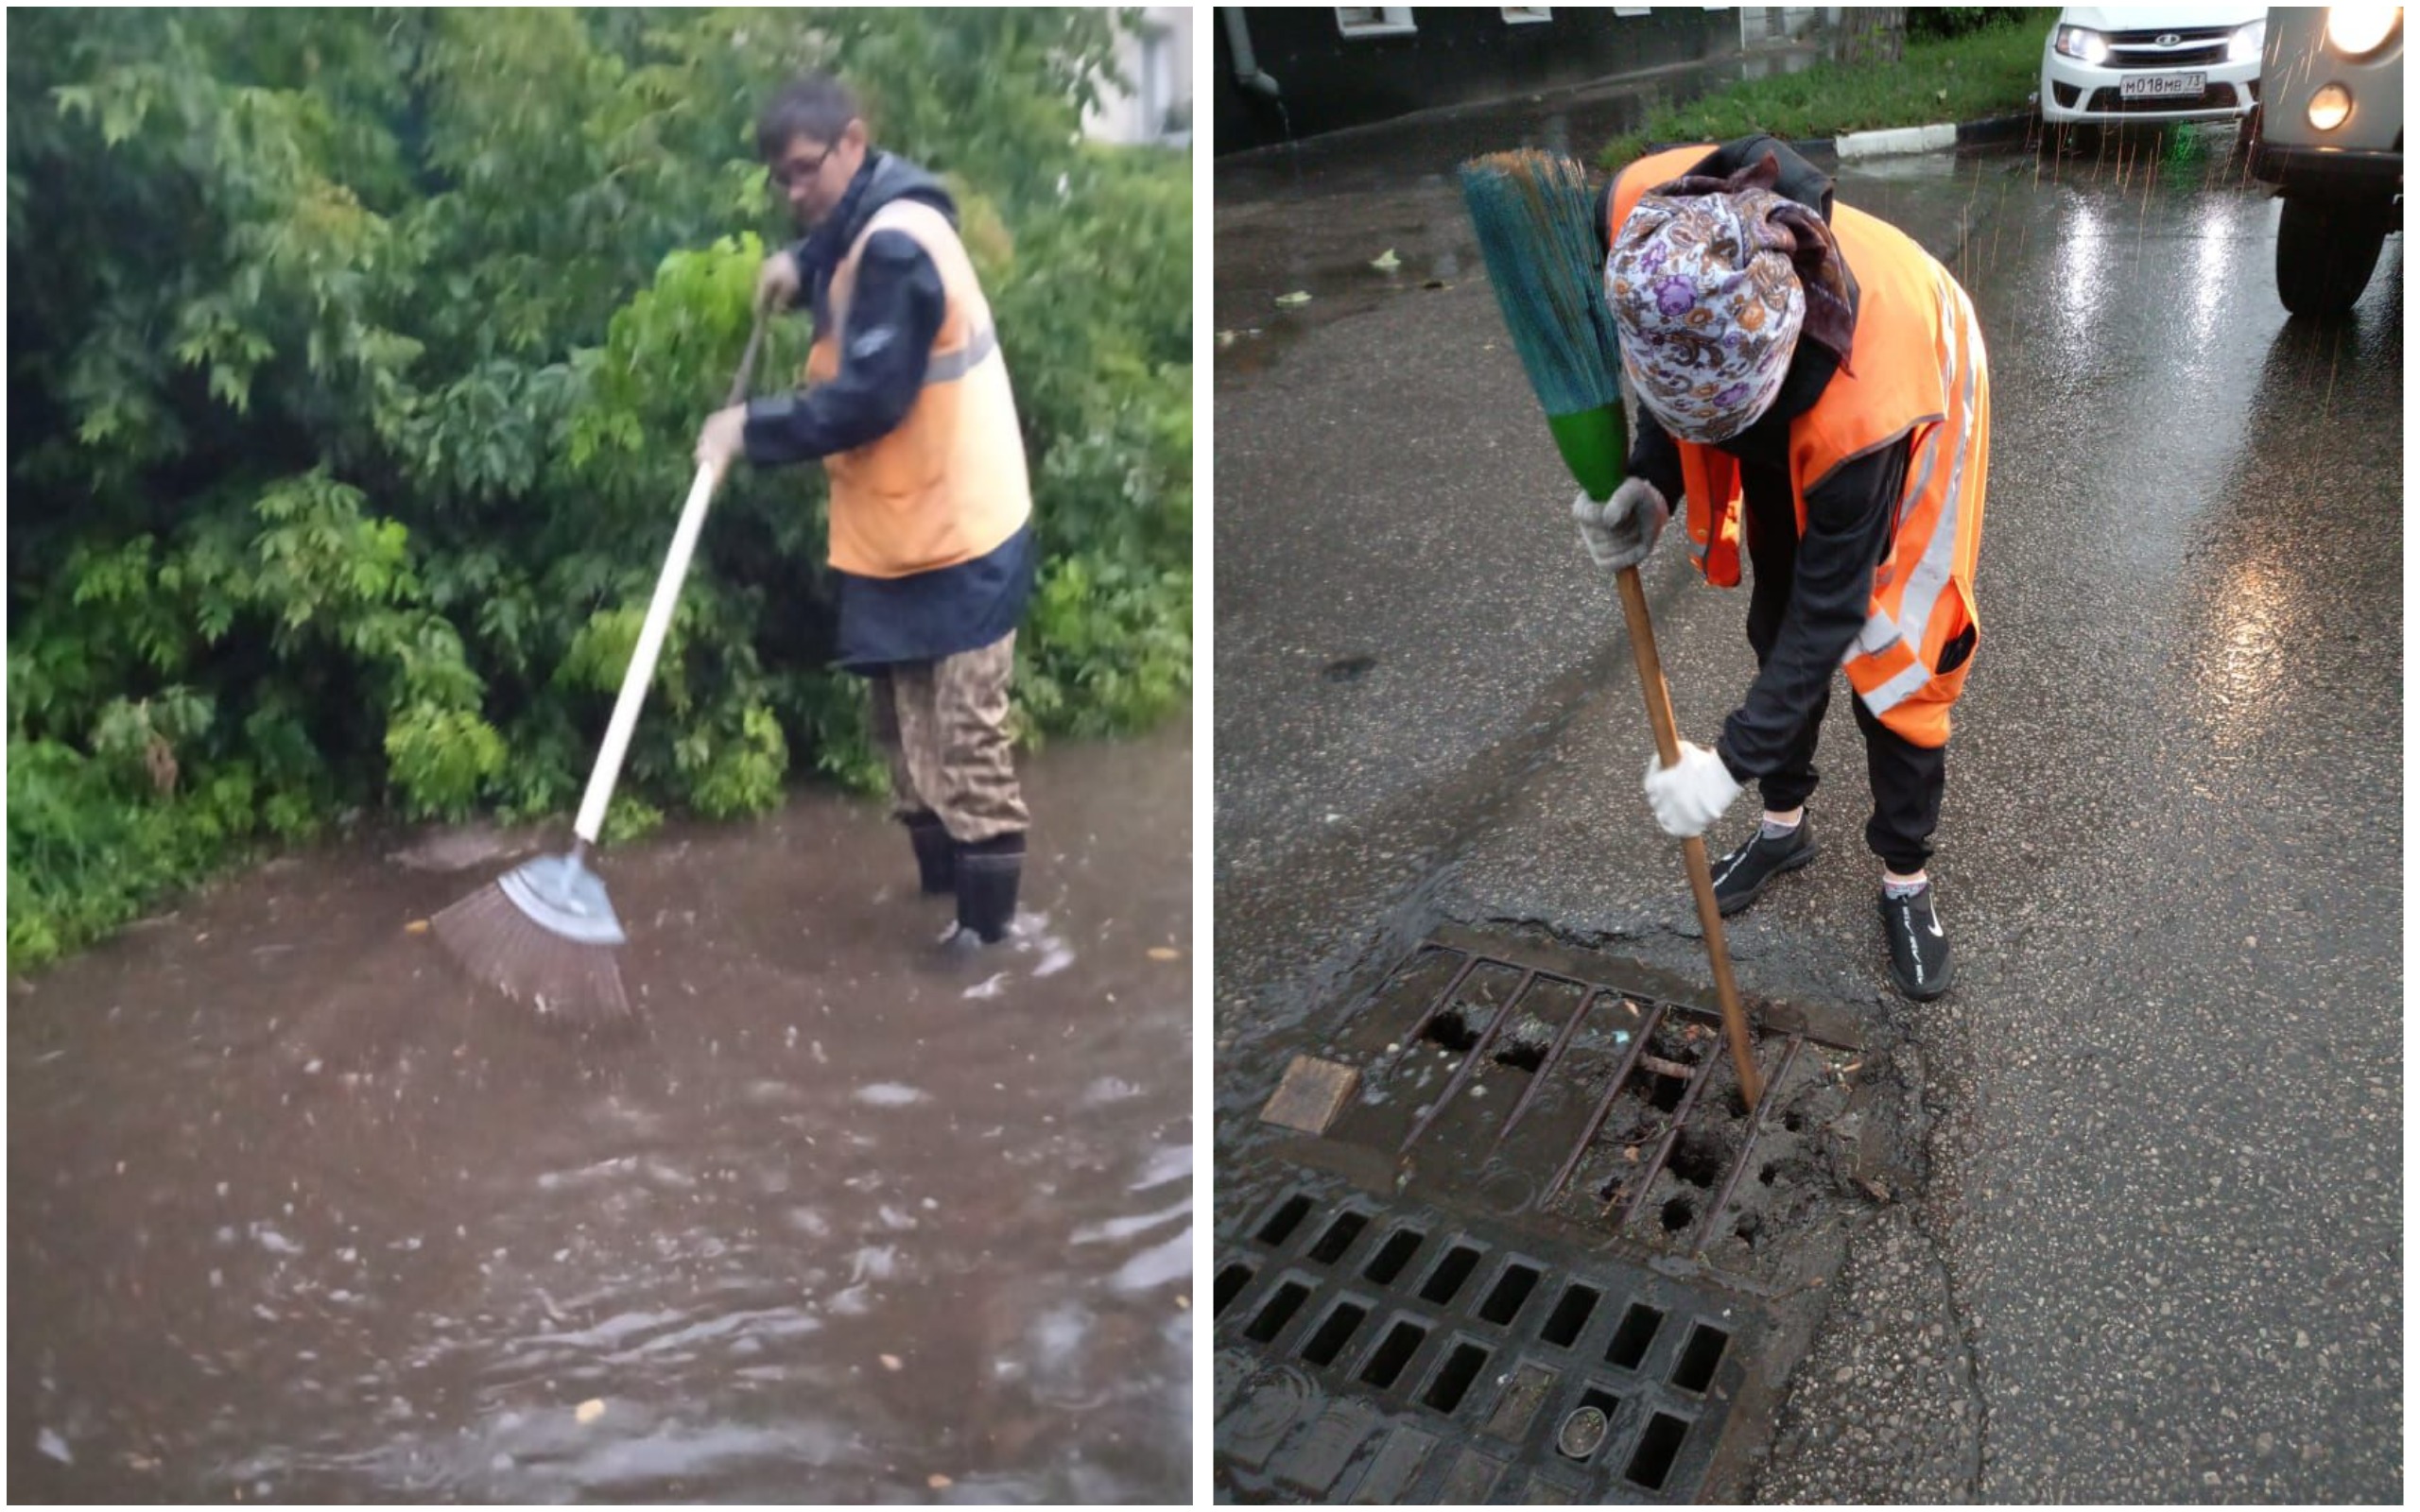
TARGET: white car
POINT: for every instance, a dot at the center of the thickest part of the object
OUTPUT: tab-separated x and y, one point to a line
2111	65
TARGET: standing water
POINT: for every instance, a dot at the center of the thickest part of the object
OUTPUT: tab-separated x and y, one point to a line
297	1214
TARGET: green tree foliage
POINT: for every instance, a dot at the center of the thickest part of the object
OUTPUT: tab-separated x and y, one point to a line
355	361
1960	21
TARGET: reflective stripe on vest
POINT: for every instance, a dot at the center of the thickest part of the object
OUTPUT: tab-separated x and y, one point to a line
949	366
1941	526
1919	371
1960	371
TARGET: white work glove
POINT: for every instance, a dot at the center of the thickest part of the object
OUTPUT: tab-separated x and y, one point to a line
1622	531
1690	793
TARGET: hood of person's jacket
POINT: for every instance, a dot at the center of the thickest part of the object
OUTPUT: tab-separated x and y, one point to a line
884	179
1799	179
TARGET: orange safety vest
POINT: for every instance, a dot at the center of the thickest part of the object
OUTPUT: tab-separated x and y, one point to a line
1920	376
948	482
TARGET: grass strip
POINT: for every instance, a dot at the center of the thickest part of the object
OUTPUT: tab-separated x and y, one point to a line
1984	73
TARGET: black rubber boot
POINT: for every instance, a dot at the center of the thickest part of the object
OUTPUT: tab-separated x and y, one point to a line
1742	877
1920	963
936	852
988	873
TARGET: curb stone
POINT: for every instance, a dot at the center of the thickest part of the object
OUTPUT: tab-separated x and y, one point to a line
1898	142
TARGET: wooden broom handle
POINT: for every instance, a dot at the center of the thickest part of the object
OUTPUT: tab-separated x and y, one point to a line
659	619
1668	750
747	373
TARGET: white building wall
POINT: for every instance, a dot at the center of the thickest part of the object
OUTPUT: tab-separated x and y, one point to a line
1157	60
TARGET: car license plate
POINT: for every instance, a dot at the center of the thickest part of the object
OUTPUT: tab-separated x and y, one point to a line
2161	86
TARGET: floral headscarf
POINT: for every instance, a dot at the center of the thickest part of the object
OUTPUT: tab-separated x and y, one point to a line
1711	282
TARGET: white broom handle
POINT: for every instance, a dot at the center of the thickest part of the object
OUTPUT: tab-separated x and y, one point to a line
634	683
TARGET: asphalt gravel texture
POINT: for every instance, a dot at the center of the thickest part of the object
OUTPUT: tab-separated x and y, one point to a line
2155	1254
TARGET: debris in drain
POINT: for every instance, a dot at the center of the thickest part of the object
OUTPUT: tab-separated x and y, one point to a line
1582	1433
1524	1078
1310	1094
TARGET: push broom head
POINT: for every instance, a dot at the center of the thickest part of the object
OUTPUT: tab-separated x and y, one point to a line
1535	220
543	934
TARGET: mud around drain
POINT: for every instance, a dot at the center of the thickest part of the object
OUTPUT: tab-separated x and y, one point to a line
1573	1092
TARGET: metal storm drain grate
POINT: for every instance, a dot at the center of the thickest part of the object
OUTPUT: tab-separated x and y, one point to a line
1512	1237
1375	1353
1523	1083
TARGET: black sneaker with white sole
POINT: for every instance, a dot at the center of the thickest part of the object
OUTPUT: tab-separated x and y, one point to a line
1742	877
1920	964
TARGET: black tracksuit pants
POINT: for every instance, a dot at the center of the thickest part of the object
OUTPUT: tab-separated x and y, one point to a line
1905	777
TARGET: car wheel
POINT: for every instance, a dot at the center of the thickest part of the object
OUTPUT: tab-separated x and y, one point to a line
2326	251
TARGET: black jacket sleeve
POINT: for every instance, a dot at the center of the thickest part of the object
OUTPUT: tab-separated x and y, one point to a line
893	316
1850	517
1655	456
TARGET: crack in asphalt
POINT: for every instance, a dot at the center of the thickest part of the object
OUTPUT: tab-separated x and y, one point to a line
1968	1367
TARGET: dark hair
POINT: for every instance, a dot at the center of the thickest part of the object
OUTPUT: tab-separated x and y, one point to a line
816	106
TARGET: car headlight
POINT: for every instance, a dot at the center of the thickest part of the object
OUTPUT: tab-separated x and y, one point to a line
2331	106
2081	43
2244	47
2358	29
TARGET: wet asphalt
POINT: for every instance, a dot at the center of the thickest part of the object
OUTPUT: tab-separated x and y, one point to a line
2158	1253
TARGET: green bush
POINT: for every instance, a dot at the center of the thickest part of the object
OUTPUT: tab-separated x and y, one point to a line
357	357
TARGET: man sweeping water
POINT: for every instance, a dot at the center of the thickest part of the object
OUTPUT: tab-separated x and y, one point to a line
1815	365
906	403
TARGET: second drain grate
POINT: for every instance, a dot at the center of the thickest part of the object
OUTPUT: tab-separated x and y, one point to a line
1601	1380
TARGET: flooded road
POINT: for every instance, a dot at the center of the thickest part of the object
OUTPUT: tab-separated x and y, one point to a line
297	1214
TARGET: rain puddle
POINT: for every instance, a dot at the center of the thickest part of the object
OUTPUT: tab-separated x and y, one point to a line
295	1214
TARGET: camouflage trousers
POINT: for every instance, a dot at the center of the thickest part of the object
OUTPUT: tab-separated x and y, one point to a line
945	728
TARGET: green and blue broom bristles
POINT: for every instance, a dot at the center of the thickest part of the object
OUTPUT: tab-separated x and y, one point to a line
1535	220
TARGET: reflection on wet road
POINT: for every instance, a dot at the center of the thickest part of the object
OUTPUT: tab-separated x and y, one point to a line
2184	784
1313	217
295	1215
